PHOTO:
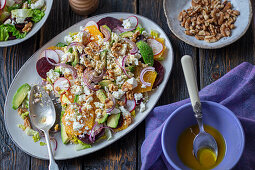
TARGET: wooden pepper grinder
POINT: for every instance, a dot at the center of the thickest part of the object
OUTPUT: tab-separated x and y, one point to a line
84	7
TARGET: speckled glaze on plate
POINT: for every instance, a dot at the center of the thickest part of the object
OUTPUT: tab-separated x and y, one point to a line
36	27
172	8
28	74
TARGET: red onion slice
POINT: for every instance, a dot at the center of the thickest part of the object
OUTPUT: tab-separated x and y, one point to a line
133	19
87	81
55	143
145	70
76	44
134	49
51	54
106	33
92	76
74	72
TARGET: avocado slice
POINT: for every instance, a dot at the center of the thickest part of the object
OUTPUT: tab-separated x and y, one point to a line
105	83
113	120
103	56
102	119
57	69
105	26
76	58
20	95
146	52
64	136
101	96
126	34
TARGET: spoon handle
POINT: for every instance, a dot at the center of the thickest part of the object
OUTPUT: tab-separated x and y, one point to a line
191	81
52	165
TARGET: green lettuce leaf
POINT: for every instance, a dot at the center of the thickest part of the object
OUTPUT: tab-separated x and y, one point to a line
3	33
37	15
7	28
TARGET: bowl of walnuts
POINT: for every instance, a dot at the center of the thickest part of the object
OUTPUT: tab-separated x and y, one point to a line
208	24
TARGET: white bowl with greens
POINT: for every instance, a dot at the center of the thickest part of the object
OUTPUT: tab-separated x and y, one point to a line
20	20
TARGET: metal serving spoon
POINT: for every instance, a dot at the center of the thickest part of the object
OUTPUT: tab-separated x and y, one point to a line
42	115
203	139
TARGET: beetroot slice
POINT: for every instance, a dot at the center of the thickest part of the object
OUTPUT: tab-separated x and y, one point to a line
85	137
110	22
161	72
43	66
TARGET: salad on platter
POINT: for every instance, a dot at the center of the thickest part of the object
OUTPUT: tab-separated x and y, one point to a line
17	17
101	77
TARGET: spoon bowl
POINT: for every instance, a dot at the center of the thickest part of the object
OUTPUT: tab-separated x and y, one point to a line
43	116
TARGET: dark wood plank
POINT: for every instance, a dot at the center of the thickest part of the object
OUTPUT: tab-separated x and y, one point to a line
176	88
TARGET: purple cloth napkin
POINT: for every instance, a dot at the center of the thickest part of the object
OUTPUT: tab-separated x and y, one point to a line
235	90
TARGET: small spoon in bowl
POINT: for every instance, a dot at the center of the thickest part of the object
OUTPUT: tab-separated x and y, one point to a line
42	115
203	140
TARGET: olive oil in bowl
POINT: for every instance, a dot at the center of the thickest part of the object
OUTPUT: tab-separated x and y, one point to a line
206	157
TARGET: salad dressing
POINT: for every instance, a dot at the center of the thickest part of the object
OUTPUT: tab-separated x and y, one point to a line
206	157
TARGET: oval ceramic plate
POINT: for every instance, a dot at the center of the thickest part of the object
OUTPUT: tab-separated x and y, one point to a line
34	30
28	74
172	9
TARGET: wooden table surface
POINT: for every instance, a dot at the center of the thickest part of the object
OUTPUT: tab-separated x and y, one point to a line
125	153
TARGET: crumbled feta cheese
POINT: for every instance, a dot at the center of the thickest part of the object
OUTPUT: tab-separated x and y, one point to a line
78	37
65	70
120	80
124	111
143	86
49	87
118	94
99	105
52	75
76	90
20	20
98	112
68	39
115	111
87	106
82	28
69	118
132	60
79	117
67	57
123	49
138	96
86	90
127	24
38	4
82	98
77	126
142	107
8	21
145	33
133	82
89	100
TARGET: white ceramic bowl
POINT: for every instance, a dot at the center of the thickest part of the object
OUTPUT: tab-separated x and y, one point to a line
172	9
35	28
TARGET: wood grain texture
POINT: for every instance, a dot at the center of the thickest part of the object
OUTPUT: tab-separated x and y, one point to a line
125	153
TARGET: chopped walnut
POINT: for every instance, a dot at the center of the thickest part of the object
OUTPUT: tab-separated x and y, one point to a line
96	57
21	110
97	87
88	51
108	103
135	35
80	68
126	87
121	103
110	74
116	47
130	95
112	87
27	122
27	27
208	20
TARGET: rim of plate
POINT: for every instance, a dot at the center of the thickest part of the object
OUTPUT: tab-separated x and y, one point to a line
34	30
205	46
129	129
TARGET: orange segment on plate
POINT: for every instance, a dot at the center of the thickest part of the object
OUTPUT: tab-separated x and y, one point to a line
149	77
160	56
94	31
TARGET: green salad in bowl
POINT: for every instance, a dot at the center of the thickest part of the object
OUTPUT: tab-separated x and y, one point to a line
17	17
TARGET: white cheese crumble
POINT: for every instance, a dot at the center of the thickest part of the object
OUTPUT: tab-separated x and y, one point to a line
89	100
124	111
120	80
38	4
138	96
82	98
142	107
99	105
77	126
52	75
68	39
127	24
86	90
118	94
49	87
76	90
133	82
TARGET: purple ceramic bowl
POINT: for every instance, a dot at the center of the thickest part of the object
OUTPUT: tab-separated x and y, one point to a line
215	115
